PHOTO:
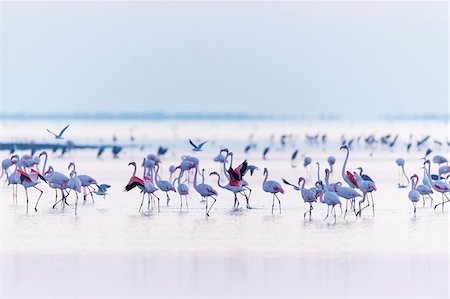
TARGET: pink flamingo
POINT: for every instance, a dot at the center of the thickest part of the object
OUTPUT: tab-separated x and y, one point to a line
234	189
31	180
347	176
74	184
438	186
182	189
348	194
414	195
272	187
14	177
366	187
205	191
165	186
309	195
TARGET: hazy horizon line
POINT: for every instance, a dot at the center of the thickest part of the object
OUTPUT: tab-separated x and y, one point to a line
203	116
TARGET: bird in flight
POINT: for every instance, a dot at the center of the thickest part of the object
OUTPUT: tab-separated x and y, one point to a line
58	136
197	148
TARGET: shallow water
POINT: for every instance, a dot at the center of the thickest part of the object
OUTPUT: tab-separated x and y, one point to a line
257	242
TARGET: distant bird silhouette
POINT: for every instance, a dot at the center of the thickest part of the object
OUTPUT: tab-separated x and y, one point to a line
266	150
197	148
429	151
162	150
293	157
100	151
116	150
58	136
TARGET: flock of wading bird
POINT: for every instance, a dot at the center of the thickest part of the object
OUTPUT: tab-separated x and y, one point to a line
358	192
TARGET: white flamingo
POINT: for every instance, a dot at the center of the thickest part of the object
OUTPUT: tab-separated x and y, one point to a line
414	195
205	191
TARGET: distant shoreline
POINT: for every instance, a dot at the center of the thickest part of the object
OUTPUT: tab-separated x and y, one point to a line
160	116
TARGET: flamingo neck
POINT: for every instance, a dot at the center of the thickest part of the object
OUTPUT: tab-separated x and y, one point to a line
345	163
45	163
302	184
318	171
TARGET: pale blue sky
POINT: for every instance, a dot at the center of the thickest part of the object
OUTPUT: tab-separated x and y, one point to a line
306	58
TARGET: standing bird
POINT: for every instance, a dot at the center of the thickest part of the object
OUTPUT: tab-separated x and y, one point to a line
235	189
330	197
182	189
31	180
401	173
58	136
438	186
293	157
74	184
205	191
164	186
6	164
86	182
425	190
347	193
272	187
197	148
414	195
366	187
265	152
347	176
309	195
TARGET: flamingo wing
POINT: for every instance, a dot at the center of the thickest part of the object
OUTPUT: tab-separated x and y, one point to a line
352	178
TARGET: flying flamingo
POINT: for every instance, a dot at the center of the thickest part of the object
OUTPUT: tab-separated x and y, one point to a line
205	191
309	195
438	186
165	186
414	195
272	187
31	180
401	163
235	189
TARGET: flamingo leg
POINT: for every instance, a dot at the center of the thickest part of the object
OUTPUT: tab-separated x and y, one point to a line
168	198
158	201
248	197
142	202
414	204
207	213
443	202
56	196
328	212
76	203
181	201
431	204
273	202
35	207
26	192
373	204
206	207
279	203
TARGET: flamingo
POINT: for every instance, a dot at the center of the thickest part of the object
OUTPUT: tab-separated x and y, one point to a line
205	191
414	195
347	176
182	189
366	187
438	186
331	161
235	189
14	177
149	189
330	197
197	148
57	181
165	186
438	159
272	187
58	136
235	176
6	164
86	182
347	193
134	181
401	163
74	184
309	195
31	180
